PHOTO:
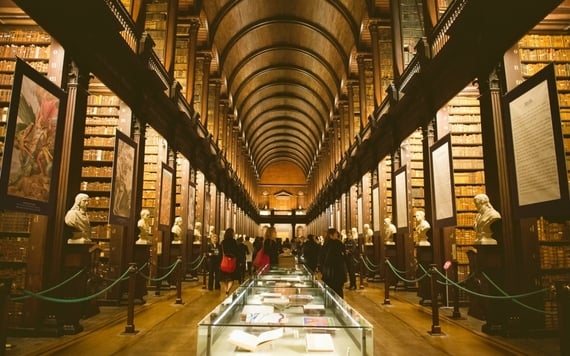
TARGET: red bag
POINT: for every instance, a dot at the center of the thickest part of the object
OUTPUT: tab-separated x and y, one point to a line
261	259
228	264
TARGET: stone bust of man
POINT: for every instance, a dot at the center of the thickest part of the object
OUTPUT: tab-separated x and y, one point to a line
367	233
197	233
78	219
486	216
145	227
422	227
177	231
389	231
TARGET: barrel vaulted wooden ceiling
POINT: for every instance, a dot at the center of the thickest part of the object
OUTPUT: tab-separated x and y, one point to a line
284	65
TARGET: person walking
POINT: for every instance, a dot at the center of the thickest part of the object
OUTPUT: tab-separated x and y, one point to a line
350	258
310	253
214	256
241	258
229	246
270	246
331	262
249	256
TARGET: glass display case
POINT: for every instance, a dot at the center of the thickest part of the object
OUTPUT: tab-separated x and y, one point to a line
284	311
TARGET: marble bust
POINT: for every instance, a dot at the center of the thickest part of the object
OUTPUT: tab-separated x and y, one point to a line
145	228
78	219
422	227
389	231
486	216
177	231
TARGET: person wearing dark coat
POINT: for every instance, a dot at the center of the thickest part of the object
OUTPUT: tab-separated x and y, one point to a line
310	252
241	257
229	247
331	262
351	258
270	246
214	255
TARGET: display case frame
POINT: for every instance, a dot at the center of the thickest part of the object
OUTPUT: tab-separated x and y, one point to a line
300	307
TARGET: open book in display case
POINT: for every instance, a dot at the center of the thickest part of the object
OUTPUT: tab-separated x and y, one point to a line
275	319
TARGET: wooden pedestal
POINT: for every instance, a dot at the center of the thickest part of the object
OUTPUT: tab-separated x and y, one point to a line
76	257
142	259
489	263
391	255
424	255
175	252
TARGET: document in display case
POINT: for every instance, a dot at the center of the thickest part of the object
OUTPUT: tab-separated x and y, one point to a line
282	320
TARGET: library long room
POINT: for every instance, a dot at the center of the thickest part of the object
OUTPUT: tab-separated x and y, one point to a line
293	177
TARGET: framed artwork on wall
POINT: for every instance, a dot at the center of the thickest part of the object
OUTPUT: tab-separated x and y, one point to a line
32	150
165	200
123	180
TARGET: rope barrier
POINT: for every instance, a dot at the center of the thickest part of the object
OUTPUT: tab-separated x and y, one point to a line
49	289
199	259
395	269
173	267
514	298
169	267
397	273
505	295
82	299
370	262
202	258
366	265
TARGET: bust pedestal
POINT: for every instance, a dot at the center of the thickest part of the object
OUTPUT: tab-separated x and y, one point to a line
489	260
141	258
424	255
391	256
175	252
76	257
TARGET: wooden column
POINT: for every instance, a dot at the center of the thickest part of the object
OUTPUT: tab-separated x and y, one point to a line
205	89
377	71
191	68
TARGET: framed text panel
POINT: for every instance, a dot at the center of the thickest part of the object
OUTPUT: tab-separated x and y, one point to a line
535	148
443	184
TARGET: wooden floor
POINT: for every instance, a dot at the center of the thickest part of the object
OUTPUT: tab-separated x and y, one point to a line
166	328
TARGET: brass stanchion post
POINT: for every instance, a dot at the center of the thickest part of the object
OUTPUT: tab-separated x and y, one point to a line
456	313
387	280
435	327
179	281
130	327
204	271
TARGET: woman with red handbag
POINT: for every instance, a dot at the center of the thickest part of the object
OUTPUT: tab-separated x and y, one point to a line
229	251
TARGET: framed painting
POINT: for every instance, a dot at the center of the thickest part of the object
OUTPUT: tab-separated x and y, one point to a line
535	147
191	206
401	190
442	181
32	150
165	200
123	180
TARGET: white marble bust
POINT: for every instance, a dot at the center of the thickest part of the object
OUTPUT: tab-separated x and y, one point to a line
486	216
